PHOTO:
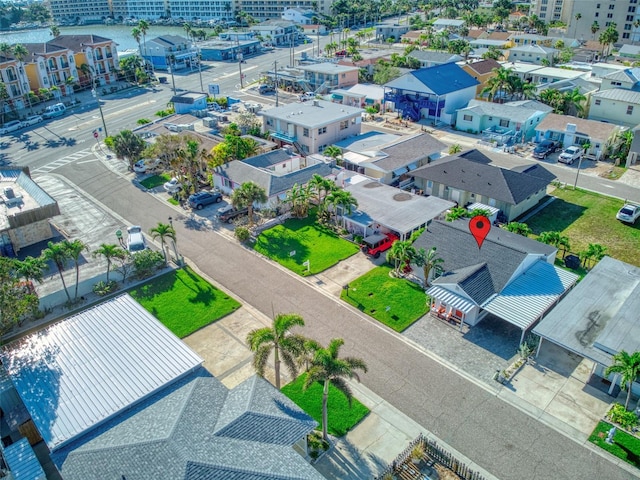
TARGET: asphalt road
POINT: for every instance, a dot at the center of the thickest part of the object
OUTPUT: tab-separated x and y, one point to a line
498	436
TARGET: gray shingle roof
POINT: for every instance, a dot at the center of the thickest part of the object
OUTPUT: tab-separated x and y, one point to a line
438	57
409	150
255	169
172	435
501	184
484	270
514	112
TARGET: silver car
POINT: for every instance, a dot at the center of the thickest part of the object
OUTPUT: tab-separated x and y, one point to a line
11	126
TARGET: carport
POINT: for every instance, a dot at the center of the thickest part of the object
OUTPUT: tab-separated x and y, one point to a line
599	317
528	298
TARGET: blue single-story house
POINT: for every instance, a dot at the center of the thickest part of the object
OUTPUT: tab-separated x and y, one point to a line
432	93
220	50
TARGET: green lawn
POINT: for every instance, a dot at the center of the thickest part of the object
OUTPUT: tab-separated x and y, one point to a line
587	217
310	241
183	301
155	181
625	446
341	417
376	290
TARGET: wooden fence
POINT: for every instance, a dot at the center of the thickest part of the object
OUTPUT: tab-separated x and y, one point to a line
436	453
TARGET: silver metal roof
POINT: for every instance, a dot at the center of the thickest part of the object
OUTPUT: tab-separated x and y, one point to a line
81	371
599	317
452	299
531	294
398	210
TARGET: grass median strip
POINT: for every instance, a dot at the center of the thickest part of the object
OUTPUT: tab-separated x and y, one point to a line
301	240
342	418
183	301
155	181
396	302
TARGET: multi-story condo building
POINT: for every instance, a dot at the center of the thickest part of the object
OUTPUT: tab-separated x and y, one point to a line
623	13
98	11
14	77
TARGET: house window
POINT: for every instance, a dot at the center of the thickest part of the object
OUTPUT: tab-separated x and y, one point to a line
305	132
321	148
344	125
616	84
322	130
612	6
627	26
504	123
597	102
629	18
625	35
632	9
598	5
490	119
597	14
609	15
629	109
468	118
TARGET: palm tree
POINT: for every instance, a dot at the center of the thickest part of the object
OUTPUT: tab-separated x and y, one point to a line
594	28
578	16
31	269
428	260
59	255
109	251
333	152
75	249
574	102
321	187
4	96
129	146
163	231
246	195
628	367
327	367
519	228
55	31
137	35
343	203
286	346
298	197
400	254
143	26
501	82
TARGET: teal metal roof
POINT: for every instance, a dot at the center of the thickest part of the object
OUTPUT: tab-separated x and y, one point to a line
22	461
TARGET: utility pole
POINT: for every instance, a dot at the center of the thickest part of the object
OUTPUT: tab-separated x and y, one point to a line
275	70
240	58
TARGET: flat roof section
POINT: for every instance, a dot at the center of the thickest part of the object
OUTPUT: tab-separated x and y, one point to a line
79	372
599	317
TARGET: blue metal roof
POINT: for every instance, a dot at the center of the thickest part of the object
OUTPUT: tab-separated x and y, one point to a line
530	295
445	78
79	372
22	461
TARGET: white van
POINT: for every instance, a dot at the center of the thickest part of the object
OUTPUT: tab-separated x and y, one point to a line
56	110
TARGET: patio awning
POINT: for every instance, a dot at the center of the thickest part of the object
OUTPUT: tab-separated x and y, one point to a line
412	166
399	171
369	101
337	97
22	461
451	299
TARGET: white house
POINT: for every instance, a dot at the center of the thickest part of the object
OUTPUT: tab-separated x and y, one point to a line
301	16
536	54
616	105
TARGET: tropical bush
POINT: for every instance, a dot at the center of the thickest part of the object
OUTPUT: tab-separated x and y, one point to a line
147	262
105	288
620	415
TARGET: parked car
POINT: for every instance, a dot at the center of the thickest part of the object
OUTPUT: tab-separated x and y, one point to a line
629	213
173	185
570	155
265	89
11	126
374	245
135	239
202	199
140	166
229	213
32	120
545	148
56	110
307	96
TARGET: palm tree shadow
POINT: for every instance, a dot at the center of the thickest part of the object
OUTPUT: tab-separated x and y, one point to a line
632	457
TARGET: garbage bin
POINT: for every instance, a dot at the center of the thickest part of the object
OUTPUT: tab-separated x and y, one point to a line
162	79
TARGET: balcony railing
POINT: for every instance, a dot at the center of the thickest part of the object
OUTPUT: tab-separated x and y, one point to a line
284	137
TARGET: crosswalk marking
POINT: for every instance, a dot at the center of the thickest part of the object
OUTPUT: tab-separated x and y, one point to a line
61	162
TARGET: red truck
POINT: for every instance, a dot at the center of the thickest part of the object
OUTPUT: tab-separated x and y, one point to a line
374	245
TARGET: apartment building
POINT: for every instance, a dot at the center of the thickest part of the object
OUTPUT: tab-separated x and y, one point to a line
605	12
98	11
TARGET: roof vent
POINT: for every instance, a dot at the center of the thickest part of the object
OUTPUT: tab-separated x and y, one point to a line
373	185
402	197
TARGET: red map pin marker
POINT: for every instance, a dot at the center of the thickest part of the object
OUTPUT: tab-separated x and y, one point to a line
479	227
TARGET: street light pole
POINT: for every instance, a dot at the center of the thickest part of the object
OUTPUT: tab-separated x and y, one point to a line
94	92
173	80
240	56
575	185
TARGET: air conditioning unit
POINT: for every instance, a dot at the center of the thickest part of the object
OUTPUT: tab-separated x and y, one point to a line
210	122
